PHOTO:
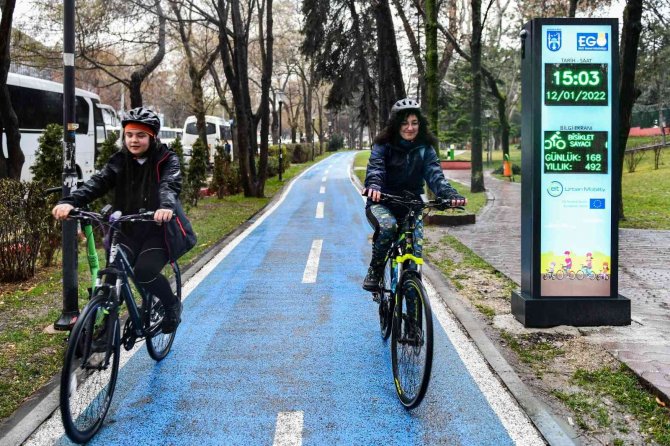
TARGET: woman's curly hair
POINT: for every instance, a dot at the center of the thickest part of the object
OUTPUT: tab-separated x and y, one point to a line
391	133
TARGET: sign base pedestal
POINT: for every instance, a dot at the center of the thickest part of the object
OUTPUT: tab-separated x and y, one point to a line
575	311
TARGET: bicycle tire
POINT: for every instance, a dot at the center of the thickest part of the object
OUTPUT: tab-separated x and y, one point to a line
412	349
88	378
158	343
386	302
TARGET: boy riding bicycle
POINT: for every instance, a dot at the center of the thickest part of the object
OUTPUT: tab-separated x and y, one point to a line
145	175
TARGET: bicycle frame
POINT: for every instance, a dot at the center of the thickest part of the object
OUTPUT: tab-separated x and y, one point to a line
402	251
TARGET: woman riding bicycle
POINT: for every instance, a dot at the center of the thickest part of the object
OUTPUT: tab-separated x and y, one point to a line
145	175
402	159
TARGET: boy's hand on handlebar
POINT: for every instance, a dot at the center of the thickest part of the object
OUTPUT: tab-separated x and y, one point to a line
61	211
373	194
163	215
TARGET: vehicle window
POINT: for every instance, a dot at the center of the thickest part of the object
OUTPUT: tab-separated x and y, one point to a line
191	128
36	109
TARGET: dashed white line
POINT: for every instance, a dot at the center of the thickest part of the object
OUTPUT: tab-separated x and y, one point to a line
288	430
312	267
324	179
319	209
322	190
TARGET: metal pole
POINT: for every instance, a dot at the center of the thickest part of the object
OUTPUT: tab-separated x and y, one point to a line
280	154
70	289
313	139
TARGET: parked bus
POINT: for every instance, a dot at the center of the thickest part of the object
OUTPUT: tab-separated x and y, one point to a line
39	102
218	132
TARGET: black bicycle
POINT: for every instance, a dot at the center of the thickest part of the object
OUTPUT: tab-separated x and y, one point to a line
404	307
91	364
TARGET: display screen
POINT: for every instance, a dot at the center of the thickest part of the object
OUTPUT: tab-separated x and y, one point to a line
575	152
575	84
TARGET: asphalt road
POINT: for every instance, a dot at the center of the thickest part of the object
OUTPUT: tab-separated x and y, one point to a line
279	345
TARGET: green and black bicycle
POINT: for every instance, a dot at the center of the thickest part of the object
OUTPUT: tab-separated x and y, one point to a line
91	363
404	307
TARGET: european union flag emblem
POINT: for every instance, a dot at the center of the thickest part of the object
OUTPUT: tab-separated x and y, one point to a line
554	39
596	203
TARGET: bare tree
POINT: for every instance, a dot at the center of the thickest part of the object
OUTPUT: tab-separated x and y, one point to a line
10	166
114	56
232	20
199	62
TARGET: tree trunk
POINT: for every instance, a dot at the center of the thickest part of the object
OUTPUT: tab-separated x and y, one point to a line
368	107
432	82
630	38
572	9
11	166
267	48
390	84
477	179
139	76
195	73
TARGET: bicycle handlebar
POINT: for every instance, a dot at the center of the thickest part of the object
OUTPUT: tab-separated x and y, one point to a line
81	214
414	202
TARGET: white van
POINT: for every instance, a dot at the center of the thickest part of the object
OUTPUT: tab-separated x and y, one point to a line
167	135
218	132
38	102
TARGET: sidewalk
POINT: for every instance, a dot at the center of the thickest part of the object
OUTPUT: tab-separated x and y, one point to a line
644	274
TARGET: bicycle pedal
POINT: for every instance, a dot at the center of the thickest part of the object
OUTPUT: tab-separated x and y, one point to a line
376	297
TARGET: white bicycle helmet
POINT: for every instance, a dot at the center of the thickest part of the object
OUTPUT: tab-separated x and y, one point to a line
405	104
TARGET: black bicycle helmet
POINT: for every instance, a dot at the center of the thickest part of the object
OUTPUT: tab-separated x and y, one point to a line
144	116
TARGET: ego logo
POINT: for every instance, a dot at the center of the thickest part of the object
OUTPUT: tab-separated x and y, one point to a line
555	189
554	39
592	41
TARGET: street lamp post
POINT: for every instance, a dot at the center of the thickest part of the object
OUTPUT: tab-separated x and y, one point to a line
313	139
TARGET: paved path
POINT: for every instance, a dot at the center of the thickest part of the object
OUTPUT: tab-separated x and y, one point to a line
280	345
644	275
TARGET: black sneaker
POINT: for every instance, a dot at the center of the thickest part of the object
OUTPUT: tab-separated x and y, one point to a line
372	279
171	318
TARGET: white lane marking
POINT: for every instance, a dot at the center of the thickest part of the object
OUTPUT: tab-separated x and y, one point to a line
312	267
288	431
319	209
322	190
515	421
324	179
327	170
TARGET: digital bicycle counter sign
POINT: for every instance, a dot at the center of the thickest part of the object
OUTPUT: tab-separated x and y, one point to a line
569	197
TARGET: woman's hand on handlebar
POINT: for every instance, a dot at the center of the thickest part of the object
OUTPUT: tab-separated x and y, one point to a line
456	201
373	194
61	211
163	215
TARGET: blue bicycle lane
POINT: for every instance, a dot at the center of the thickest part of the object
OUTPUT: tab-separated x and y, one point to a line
275	348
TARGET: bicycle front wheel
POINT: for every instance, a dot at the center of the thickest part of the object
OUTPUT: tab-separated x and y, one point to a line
158	343
412	342
90	370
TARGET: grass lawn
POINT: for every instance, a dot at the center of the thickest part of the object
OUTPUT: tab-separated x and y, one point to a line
30	357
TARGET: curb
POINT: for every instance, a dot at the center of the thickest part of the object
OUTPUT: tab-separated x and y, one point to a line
554	431
42	404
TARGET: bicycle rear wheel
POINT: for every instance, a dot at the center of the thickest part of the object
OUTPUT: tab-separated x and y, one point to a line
158	343
412	341
90	370
386	301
